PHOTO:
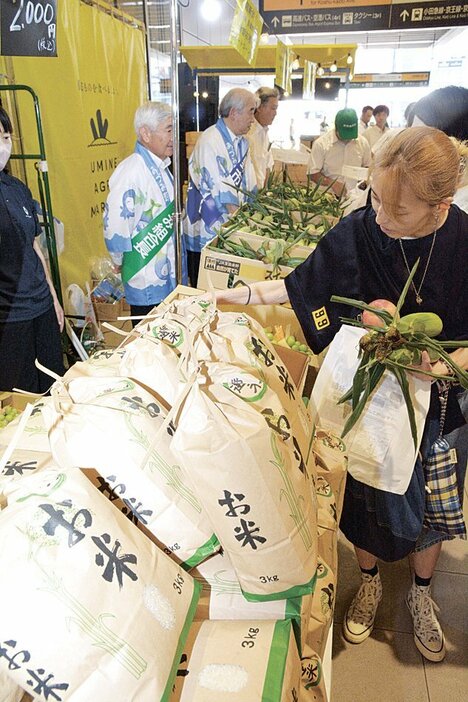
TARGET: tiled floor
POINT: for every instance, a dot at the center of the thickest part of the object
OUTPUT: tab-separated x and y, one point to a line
388	667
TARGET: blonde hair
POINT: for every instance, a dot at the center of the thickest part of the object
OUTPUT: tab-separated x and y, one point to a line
422	158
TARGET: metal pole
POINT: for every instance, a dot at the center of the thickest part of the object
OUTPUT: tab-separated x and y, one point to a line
197	101
147	45
176	141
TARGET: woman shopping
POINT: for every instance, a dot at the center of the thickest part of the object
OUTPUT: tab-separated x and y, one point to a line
369	256
31	317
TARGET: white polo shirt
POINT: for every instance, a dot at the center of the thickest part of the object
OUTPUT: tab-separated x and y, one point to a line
260	151
373	134
329	155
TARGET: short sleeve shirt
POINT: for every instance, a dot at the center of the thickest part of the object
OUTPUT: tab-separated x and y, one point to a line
329	155
24	291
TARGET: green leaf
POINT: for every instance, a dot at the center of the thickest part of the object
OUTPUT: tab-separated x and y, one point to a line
404	292
403	381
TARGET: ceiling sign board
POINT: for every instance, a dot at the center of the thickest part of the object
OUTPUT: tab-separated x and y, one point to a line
283	67
28	28
390	80
299	16
246	29
420	15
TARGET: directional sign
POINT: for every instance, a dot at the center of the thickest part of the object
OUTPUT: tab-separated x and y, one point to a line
299	16
418	15
390	80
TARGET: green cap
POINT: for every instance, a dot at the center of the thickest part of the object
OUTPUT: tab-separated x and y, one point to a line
346	124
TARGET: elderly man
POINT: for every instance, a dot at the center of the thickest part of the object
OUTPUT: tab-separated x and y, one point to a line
138	217
260	152
366	114
221	174
339	147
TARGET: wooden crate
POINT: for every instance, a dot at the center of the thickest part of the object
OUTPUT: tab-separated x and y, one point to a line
192	137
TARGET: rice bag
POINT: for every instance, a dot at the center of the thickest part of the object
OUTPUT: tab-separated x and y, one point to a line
323	604
9	690
90	609
221	598
116	426
250	475
312	688
247	661
32	434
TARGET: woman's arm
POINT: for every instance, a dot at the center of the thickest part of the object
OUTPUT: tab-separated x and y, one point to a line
268	292
57	306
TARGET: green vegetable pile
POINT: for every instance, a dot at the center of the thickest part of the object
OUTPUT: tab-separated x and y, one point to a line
286	215
397	345
7	414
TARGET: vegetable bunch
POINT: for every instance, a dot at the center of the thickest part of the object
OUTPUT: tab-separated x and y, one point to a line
285	210
396	343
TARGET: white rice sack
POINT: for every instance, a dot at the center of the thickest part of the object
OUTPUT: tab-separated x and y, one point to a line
221	598
90	609
115	426
9	690
249	474
246	661
104	362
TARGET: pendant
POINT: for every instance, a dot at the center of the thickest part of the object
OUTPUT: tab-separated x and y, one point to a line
418	299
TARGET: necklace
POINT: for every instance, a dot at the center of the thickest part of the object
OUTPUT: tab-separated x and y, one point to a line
417	291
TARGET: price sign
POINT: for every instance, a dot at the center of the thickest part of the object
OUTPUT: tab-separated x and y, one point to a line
283	66
28	27
245	30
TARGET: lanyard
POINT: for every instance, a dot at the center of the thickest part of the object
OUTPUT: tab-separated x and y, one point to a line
235	158
155	172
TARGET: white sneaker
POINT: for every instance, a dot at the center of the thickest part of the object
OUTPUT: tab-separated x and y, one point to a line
428	635
359	619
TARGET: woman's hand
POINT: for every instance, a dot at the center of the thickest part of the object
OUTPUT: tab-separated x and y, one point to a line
425	366
59	313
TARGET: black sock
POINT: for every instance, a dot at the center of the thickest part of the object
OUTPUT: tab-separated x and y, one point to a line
373	571
421	581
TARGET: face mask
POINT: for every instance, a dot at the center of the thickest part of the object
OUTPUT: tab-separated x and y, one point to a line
5	152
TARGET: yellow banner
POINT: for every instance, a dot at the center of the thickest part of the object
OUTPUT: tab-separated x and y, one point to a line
246	29
88	96
284	59
308	88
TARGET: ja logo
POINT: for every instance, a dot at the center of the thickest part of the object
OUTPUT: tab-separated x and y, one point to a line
99	129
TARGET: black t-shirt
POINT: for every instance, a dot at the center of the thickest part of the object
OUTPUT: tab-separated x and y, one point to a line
356	259
24	291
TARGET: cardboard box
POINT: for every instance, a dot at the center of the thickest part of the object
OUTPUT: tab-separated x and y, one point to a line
222	270
110	311
112	339
17	400
192	137
257	240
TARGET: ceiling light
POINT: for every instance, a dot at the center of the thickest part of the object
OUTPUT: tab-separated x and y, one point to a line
264	38
286	94
327	85
295	64
210	10
195	94
333	67
351	75
349	60
204	94
320	70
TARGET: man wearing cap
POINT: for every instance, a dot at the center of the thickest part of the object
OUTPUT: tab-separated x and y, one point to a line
341	146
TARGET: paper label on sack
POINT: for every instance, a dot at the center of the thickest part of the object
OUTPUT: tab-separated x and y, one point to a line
380	447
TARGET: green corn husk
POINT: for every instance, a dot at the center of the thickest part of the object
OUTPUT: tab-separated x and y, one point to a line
398	350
